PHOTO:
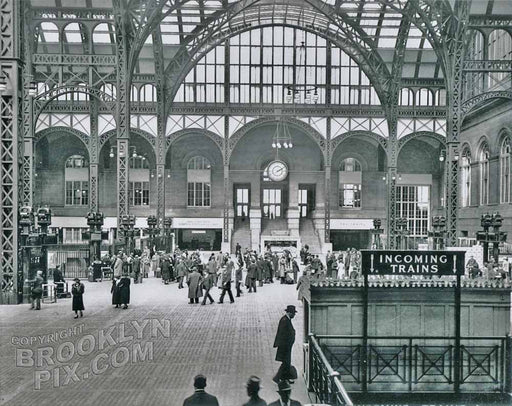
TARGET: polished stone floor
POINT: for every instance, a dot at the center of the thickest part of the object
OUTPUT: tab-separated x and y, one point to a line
107	363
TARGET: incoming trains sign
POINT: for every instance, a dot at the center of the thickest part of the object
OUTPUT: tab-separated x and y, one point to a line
413	262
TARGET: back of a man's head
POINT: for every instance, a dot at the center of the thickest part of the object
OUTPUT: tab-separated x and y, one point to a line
200	382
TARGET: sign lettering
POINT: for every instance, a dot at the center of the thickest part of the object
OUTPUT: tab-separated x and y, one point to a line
410	263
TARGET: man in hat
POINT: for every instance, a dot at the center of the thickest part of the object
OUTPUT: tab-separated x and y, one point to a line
284	340
285	390
200	397
253	388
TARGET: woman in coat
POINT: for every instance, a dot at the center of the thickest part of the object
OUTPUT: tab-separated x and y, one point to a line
124	291
165	265
77	290
116	300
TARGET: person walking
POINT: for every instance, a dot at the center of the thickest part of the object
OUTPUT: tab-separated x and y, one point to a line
226	281
208	283
285	337
77	290
253	389
285	391
200	397
182	271
238	277
37	290
124	290
118	264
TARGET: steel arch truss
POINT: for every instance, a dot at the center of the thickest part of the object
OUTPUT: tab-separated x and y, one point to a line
418	135
110	134
470	104
335	143
43	99
84	138
235	20
172	138
306	128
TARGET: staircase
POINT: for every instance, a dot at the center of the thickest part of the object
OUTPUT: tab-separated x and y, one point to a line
270	227
241	235
309	236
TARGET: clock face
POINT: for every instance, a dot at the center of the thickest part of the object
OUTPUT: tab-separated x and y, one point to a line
277	171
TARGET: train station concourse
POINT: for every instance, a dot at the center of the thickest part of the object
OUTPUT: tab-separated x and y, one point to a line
305	199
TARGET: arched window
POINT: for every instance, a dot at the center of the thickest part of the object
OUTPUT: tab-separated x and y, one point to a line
104	34
406	97
484	174
350	181
134	93
199	182
466	178
505	171
148	93
74	33
76	175
440	97
424	97
79	96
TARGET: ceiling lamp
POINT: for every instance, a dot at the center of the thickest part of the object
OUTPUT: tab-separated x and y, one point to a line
282	137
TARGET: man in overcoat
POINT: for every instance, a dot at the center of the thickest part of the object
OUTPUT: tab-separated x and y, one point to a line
252	270
284	340
200	397
194	290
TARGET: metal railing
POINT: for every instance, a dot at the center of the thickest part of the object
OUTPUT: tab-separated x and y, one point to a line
323	380
427	364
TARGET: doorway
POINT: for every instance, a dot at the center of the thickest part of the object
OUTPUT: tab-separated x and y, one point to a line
272	207
242	195
306	199
343	239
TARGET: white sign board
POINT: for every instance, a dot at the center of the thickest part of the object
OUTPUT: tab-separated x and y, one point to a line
197	223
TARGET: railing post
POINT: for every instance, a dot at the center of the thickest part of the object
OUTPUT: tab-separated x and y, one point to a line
311	375
364	349
508	364
457	363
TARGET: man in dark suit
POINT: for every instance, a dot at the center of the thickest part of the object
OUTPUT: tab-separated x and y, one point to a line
200	397
285	391
284	340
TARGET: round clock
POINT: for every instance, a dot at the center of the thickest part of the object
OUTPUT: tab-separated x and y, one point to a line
277	171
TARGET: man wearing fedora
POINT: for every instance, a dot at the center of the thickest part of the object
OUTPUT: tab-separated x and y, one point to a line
285	390
253	388
200	397
284	340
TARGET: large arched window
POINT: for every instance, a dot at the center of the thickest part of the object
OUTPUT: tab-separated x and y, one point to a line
76	175
350	180
484	174
466	178
199	182
505	171
265	65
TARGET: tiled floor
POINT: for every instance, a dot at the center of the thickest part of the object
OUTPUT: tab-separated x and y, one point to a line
227	343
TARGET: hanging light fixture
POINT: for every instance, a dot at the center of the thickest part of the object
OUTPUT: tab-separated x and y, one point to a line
282	137
300	91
